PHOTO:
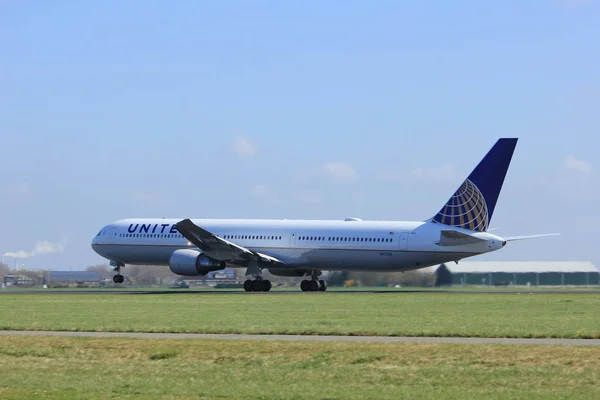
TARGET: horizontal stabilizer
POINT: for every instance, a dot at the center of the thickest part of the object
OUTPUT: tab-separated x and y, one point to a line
456	238
526	237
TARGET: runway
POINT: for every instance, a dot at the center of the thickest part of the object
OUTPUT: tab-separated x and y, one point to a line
294	292
311	338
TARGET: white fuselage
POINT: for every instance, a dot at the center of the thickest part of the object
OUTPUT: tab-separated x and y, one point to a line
301	244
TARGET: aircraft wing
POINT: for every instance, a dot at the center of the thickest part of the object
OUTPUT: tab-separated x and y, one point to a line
219	248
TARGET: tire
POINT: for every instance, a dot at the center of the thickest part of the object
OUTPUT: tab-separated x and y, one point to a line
257	286
322	286
314	286
121	279
248	285
266	285
305	285
116	279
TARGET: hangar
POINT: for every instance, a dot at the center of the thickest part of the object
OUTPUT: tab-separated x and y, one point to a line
536	273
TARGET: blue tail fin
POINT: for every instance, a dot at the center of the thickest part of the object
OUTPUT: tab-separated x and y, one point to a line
472	205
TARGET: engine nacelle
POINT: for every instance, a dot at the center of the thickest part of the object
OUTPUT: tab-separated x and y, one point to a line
193	263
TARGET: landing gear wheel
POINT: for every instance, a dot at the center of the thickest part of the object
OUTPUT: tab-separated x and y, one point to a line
118	278
257	286
314	286
305	285
248	285
322	285
266	285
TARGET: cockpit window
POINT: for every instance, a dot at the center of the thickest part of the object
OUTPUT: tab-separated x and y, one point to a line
99	233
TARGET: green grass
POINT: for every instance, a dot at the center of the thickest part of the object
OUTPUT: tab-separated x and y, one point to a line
399	314
457	288
58	368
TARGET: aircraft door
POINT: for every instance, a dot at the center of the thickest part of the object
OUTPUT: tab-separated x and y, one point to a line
293	239
403	241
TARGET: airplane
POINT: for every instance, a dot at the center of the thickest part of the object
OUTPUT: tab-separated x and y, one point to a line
305	248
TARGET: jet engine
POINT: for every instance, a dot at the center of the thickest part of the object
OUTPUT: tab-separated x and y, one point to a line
189	262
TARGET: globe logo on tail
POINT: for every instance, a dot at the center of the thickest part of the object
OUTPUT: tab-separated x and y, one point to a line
466	209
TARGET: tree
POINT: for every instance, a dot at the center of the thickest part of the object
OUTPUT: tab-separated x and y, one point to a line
148	275
104	270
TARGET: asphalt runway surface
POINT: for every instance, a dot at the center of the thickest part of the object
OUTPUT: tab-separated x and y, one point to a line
288	292
312	338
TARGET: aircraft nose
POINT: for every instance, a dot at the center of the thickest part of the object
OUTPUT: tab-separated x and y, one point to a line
95	242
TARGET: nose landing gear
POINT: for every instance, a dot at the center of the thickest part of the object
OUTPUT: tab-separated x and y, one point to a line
117	268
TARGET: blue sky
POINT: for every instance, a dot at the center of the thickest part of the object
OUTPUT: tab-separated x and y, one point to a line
321	110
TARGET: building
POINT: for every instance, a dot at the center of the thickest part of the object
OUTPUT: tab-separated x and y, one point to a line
497	273
18	280
71	277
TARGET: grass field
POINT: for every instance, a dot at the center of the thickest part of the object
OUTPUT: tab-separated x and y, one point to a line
400	314
458	288
57	368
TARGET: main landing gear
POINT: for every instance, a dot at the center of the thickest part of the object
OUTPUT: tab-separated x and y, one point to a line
118	278
257	285
314	284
